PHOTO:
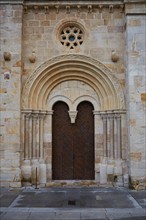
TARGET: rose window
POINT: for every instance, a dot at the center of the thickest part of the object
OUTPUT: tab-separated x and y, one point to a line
71	37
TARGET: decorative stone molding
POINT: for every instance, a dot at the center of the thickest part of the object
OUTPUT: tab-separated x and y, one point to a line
72	115
84	5
95	74
13	2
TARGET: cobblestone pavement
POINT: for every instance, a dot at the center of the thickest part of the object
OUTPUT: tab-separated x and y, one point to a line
83	203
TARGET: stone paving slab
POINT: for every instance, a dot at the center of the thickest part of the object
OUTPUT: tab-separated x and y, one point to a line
60	213
75	198
91	204
76	214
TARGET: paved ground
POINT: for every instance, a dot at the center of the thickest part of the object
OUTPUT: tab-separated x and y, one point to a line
83	203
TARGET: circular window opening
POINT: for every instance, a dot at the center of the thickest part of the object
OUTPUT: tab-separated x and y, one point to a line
71	36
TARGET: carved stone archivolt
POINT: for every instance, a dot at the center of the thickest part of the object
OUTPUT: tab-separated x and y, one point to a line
79	67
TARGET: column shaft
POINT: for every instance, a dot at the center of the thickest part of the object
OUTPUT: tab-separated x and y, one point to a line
26	127
111	136
119	153
104	135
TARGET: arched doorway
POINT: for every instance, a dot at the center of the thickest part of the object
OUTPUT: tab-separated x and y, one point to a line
74	80
73	144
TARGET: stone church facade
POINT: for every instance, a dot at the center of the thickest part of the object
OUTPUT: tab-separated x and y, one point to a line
73	92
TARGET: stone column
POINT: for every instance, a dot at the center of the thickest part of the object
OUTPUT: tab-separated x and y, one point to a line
41	134
108	136
98	142
111	121
115	137
30	137
104	118
37	130
34	123
48	140
119	152
26	132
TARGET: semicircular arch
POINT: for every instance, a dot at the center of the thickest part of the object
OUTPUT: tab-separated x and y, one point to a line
72	67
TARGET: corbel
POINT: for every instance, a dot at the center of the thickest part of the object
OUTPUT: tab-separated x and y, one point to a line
46	9
25	9
89	8
78	8
121	8
36	9
111	8
100	8
68	9
72	115
57	9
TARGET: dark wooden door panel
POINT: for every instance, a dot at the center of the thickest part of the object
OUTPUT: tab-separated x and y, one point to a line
62	152
85	148
73	144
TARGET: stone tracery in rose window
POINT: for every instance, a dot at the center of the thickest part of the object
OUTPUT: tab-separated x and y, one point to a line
71	37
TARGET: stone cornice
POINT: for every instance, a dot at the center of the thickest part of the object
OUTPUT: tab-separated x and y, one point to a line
11	2
78	5
134	1
72	2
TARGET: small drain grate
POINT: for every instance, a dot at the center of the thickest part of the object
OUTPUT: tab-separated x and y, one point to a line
71	202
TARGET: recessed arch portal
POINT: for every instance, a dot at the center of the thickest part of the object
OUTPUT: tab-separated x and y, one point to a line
89	81
72	67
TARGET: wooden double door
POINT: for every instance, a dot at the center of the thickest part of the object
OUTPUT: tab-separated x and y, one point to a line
73	144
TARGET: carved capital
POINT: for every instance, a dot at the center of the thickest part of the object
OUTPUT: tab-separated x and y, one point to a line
118	116
72	115
28	116
35	116
104	117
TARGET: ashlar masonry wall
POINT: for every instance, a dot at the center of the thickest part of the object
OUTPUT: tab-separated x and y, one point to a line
136	90
11	65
